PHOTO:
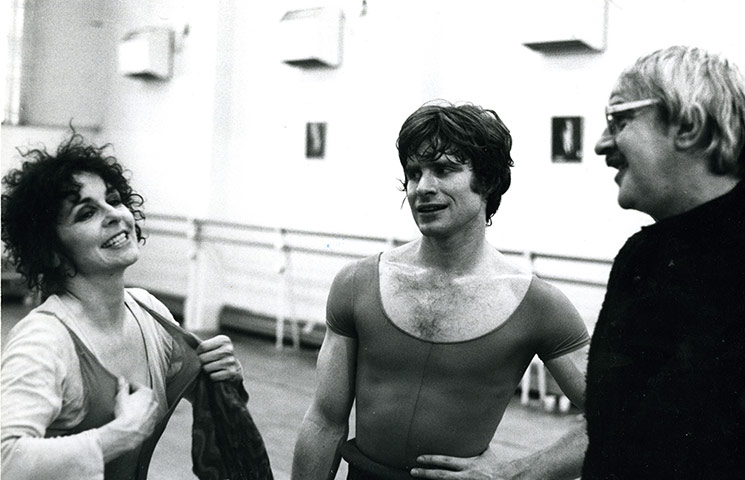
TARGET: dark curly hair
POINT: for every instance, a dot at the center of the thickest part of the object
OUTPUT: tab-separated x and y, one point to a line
32	200
473	135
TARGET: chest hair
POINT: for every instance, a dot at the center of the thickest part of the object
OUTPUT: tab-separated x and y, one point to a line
447	309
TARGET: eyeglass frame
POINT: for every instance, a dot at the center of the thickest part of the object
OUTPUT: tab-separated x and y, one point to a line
612	110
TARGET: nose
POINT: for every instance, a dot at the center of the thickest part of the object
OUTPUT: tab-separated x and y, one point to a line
427	183
605	143
113	214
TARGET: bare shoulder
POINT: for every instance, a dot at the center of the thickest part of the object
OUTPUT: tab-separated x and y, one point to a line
404	254
500	265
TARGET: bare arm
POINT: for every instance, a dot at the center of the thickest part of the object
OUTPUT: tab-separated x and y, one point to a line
562	459
569	372
326	423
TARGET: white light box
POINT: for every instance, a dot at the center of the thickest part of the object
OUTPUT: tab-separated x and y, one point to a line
147	54
312	37
565	25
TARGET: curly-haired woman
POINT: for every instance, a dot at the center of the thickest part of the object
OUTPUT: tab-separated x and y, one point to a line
90	376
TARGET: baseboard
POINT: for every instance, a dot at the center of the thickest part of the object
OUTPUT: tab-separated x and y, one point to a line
246	321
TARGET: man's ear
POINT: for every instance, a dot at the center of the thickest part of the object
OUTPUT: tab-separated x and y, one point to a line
692	130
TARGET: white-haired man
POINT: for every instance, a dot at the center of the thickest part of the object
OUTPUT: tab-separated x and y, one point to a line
666	376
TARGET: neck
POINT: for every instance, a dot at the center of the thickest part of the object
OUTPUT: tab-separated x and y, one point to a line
705	188
455	254
102	299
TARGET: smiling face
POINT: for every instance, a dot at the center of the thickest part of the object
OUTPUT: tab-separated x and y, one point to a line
96	230
441	197
650	175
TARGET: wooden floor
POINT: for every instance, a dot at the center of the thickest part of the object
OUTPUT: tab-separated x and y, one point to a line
281	383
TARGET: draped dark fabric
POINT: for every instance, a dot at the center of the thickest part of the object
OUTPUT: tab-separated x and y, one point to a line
226	444
225	441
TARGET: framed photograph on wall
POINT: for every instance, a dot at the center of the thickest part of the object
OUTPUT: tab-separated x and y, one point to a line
566	139
315	140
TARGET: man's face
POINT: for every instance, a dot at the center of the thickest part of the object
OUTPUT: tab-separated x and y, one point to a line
642	149
441	198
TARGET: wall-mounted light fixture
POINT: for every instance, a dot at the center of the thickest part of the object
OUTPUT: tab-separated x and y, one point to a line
565	26
147	54
312	37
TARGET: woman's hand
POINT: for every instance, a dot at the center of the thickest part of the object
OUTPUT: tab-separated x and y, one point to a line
218	359
135	417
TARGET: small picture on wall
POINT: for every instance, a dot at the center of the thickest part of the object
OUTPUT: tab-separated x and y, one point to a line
566	139
315	139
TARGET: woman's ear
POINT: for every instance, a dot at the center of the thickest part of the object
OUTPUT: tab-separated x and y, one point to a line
692	130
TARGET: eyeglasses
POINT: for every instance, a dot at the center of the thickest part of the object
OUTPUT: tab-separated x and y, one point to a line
612	111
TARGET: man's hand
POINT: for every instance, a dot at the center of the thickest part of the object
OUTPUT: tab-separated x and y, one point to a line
218	359
482	467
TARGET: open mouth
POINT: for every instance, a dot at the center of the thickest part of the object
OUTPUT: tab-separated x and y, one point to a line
430	208
116	240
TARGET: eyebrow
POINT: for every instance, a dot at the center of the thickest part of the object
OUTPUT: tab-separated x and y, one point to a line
76	201
70	204
439	160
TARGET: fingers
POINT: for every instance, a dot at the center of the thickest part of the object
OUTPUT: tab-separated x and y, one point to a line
215	349
442	466
218	359
136	409
135	417
443	461
439	466
223	370
428	473
215	343
122	389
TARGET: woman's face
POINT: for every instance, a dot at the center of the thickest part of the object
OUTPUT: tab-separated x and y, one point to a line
96	230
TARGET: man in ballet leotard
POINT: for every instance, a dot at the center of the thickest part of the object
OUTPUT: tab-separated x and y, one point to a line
432	338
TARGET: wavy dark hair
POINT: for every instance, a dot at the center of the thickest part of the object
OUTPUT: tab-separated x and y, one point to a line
32	199
473	135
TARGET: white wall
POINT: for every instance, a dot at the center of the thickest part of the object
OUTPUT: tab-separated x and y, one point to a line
26	137
225	137
83	54
401	54
163	131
